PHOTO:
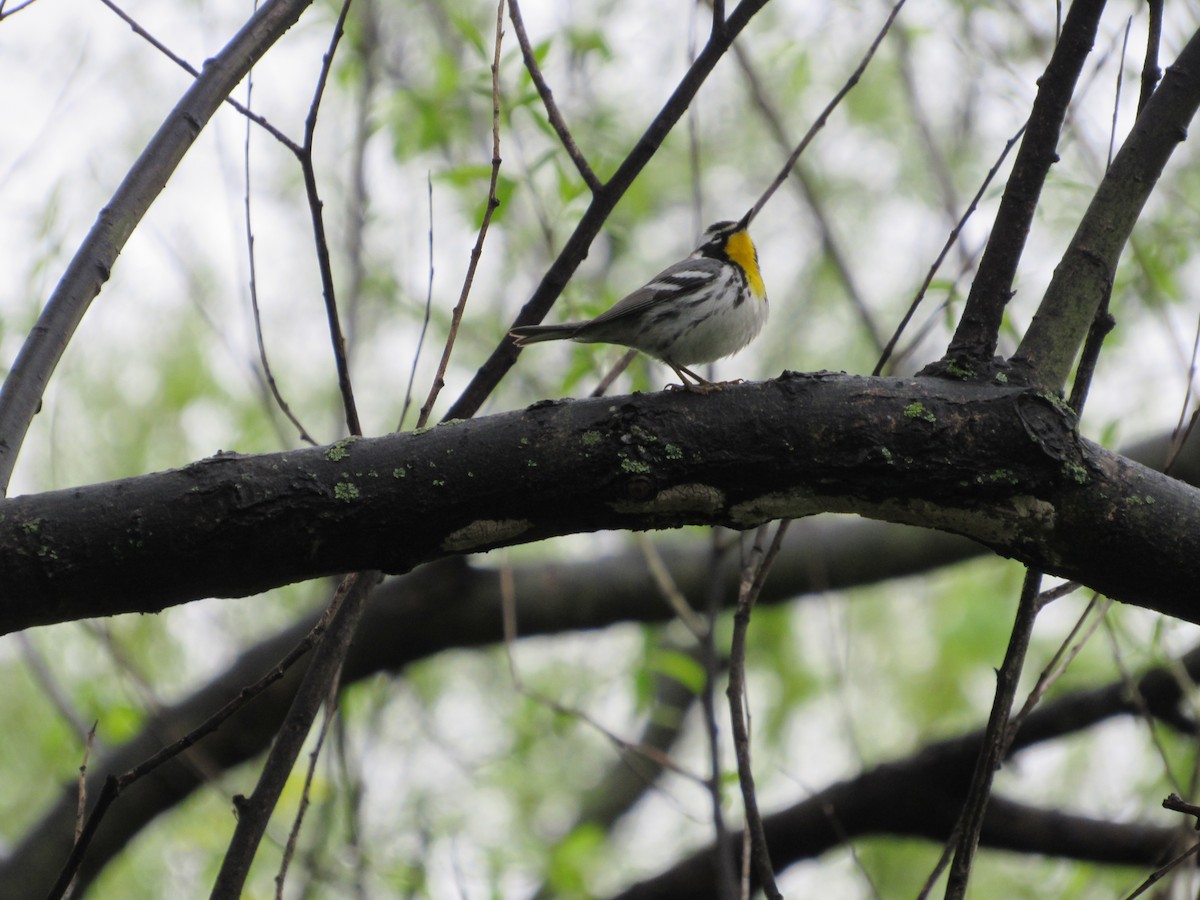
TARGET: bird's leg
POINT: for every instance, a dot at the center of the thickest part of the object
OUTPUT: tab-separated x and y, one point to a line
696	383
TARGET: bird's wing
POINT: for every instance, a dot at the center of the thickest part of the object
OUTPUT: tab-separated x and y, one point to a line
677	281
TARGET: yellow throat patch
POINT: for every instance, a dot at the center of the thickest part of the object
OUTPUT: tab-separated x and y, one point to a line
740	249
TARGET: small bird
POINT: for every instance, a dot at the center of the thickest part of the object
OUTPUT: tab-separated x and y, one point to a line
701	309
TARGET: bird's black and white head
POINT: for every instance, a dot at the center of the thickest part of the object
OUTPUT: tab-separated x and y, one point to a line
715	237
730	243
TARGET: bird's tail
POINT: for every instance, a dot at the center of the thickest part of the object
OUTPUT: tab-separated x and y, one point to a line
533	334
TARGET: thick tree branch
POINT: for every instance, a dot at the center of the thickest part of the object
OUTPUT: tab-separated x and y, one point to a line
1084	277
922	795
1001	465
21	393
977	332
911	798
450	605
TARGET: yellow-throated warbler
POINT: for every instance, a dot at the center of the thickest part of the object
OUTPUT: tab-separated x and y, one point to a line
701	309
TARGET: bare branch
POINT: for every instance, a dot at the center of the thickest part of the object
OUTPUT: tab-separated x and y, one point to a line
951	240
556	120
252	262
254	812
978	331
821	119
1085	276
477	251
21	393
996	738
315	208
753	576
1151	73
191	70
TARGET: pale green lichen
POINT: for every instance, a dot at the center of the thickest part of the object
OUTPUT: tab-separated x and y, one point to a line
340	450
963	373
641	434
999	476
917	410
345	491
1077	472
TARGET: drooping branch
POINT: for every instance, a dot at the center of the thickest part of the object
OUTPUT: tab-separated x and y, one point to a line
998	464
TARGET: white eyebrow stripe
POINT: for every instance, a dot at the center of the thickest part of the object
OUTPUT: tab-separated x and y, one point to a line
675	281
692	273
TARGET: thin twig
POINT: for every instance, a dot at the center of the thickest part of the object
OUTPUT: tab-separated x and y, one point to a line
1151	73
81	806
365	49
618	367
831	244
45	678
820	121
254	812
1112	133
718	20
4	14
1180	434
492	203
412	375
289	850
1140	706
1177	804
753	577
651	753
1102	324
951	240
1159	873
191	70
693	130
996	738
115	784
552	112
253	278
315	208
668	589
727	884
1062	658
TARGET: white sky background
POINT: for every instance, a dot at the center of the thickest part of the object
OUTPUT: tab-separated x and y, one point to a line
80	95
